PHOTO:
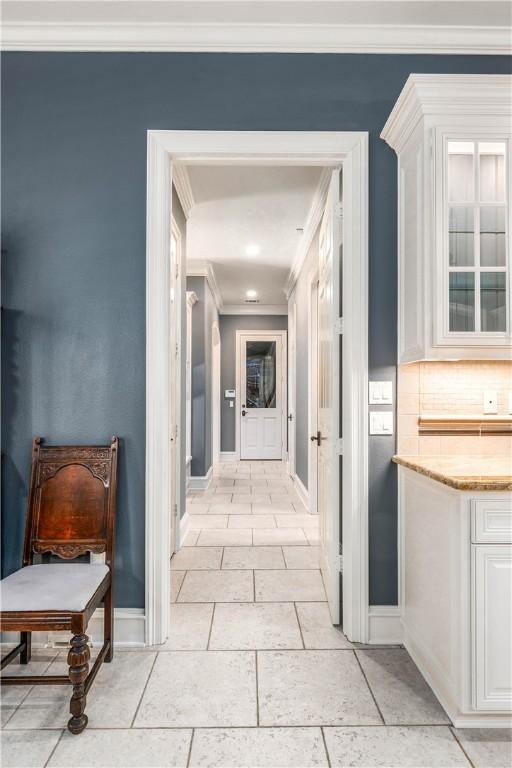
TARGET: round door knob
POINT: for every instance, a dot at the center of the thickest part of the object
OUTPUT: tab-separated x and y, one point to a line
243	413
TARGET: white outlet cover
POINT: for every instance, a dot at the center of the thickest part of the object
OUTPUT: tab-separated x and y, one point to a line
380	392
381	422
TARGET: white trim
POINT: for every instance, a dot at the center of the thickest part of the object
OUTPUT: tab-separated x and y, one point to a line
254	309
224	36
312	288
205	269
184	526
216	391
181	181
291	406
350	149
175	389
312	223
283	335
385	625
200	482
302	491
228	456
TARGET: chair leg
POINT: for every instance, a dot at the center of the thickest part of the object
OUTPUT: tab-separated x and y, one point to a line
78	660
25	655
108	624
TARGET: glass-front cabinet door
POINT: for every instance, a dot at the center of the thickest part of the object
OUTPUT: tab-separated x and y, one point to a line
476	258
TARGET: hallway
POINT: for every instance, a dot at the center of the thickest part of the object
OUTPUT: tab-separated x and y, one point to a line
252	674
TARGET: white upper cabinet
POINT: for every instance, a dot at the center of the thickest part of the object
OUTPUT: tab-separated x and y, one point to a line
452	135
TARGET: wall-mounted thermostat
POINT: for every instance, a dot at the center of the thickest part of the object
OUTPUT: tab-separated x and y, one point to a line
230	394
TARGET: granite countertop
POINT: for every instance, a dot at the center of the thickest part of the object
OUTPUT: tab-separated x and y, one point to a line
465	473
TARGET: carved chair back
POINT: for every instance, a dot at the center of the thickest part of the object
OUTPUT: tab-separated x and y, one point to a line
72	500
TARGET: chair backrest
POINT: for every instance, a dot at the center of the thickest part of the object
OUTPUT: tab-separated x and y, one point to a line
72	500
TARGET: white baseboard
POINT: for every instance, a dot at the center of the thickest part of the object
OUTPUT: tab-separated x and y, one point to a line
200	483
228	456
302	491
184	525
385	625
129	631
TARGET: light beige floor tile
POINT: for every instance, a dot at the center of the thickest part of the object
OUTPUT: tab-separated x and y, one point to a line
258	748
297	585
189	627
224	482
200	689
279	536
135	748
244	626
277	490
313	688
197	522
197	559
190	539
176	582
300	508
312	536
198	508
212	498
487	747
27	749
230	537
251	521
317	628
13	695
230	509
302	557
402	747
253	557
242	490
403	696
278	508
298	521
259	498
217	587
121	681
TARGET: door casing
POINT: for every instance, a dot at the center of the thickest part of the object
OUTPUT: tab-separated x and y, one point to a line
320	148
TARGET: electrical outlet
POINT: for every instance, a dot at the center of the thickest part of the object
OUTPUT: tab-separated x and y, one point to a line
490	401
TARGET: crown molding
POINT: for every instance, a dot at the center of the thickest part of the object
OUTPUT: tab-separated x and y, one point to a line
205	269
253	37
441	97
310	227
254	309
181	181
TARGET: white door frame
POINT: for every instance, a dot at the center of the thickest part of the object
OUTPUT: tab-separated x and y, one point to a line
216	365
312	289
283	384
291	367
175	393
320	148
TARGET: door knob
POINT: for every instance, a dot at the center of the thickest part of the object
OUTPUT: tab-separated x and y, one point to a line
317	438
290	417
243	413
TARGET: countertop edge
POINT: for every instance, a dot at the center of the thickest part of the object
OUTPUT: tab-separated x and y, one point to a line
459	484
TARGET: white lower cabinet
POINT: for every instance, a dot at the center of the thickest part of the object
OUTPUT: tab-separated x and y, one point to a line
456	596
492	626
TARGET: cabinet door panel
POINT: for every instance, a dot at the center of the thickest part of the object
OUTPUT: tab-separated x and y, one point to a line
492	625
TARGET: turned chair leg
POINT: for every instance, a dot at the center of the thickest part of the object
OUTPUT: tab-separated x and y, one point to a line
26	653
78	660
108	625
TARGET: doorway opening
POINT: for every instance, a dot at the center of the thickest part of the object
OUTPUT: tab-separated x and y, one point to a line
270	441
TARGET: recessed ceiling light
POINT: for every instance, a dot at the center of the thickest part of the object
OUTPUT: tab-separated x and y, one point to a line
252	249
251	293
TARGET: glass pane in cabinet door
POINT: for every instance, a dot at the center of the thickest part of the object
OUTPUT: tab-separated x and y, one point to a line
461	228
492	237
462	301
260	374
493	303
461	177
492	171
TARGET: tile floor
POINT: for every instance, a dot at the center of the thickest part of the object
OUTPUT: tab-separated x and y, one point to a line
253	673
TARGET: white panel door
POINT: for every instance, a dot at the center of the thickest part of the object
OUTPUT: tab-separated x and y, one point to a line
329	392
262	365
492	610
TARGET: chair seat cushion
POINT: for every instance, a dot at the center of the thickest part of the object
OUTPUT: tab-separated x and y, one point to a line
53	587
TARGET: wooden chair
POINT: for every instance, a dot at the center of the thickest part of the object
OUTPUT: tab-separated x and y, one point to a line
71	512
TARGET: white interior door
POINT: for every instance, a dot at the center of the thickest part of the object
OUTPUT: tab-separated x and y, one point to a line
262	369
292	374
329	392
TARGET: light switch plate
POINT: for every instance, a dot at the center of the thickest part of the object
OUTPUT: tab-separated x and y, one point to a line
380	392
490	401
381	422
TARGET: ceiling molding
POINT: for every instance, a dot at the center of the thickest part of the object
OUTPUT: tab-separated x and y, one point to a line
431	96
254	309
205	269
253	28
310	227
181	181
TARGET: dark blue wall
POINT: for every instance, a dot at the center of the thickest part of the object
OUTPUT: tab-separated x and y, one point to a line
74	206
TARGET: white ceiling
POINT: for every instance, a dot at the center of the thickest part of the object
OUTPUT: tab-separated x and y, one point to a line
238	206
402	26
